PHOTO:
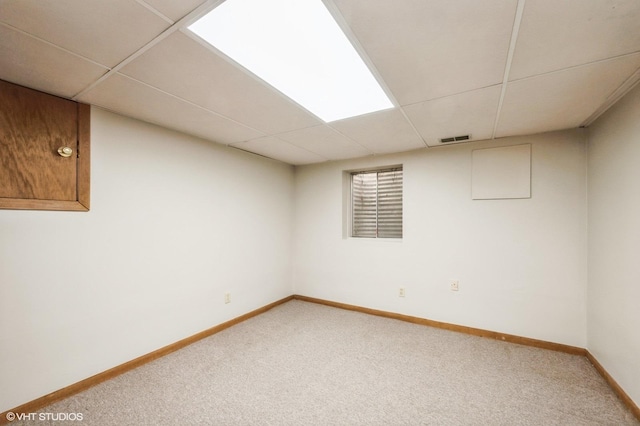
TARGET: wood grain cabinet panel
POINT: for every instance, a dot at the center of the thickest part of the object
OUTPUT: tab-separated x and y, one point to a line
33	174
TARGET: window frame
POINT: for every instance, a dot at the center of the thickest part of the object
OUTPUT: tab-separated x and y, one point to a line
350	220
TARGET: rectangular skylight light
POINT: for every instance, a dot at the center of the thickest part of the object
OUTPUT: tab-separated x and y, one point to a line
297	47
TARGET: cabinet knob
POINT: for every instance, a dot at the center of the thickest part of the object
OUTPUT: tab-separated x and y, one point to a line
65	151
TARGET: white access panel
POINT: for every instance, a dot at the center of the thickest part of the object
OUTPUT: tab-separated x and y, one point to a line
501	173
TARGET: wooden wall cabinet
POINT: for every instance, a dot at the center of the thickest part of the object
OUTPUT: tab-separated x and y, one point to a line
33	174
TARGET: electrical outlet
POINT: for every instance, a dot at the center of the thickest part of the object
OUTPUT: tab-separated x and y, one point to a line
227	298
401	292
454	285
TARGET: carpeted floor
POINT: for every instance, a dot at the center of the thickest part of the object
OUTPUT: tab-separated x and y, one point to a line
307	364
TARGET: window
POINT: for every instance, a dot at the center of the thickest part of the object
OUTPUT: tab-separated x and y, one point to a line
376	203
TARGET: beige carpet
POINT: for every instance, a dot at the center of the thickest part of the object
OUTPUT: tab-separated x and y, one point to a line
306	364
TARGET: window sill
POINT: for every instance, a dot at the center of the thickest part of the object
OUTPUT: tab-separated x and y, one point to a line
375	240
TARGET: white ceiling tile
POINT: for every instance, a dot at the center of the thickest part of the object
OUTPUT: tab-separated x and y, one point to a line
326	142
443	61
471	113
429	49
104	31
173	9
381	132
562	99
126	96
560	34
185	68
29	62
277	149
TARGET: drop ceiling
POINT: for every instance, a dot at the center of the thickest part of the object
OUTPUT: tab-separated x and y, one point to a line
490	69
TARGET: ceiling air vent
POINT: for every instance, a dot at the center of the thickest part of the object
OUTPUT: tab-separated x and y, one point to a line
455	139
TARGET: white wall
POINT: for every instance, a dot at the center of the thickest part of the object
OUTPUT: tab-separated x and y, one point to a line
175	222
521	264
614	242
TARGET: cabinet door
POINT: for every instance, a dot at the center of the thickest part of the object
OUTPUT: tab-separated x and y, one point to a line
34	126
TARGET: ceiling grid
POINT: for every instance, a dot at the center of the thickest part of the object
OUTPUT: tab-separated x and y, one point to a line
489	69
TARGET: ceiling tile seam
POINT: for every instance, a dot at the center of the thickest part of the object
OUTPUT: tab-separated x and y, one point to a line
574	67
415	130
157	39
507	69
614	97
155	11
195	105
198	12
285	142
355	42
276	135
248	73
371	152
437	98
77	55
258	154
155	123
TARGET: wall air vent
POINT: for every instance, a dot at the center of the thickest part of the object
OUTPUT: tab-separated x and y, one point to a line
455	139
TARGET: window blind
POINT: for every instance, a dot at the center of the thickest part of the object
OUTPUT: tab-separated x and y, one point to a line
377	204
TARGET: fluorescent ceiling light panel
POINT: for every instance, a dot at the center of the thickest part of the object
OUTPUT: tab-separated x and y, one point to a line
297	47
